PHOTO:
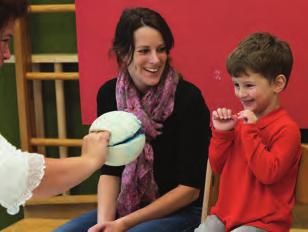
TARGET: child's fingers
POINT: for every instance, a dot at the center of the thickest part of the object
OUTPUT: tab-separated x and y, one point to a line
235	117
224	113
248	116
215	115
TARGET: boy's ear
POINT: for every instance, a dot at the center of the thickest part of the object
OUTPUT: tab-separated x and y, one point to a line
279	83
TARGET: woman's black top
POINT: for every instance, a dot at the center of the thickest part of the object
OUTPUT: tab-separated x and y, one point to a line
181	151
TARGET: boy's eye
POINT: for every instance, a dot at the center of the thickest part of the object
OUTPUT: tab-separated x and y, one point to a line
236	85
249	85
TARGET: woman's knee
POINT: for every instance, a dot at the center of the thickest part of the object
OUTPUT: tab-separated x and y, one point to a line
80	224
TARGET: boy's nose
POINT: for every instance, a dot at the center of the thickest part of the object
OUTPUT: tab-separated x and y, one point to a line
241	93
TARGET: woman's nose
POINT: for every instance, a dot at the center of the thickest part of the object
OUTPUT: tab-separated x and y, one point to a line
154	58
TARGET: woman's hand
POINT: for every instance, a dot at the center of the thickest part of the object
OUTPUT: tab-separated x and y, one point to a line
113	226
94	148
96	228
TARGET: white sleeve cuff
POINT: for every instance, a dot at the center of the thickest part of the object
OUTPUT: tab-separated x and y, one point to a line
20	173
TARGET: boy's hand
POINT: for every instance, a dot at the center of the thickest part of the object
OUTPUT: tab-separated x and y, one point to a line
248	116
223	119
94	147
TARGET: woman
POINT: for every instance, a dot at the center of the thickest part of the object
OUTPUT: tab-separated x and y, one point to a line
161	190
24	175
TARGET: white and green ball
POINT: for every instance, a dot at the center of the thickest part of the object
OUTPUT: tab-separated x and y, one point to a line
126	140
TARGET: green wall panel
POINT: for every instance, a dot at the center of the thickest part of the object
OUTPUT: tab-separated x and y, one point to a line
8	104
53	33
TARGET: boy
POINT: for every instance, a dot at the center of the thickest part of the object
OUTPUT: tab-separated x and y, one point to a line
256	151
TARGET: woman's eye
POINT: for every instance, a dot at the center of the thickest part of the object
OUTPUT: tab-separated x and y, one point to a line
161	50
143	51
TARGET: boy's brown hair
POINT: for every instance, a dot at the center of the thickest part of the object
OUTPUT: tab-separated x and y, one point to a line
261	53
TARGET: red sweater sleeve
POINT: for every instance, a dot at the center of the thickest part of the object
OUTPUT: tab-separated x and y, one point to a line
220	148
270	162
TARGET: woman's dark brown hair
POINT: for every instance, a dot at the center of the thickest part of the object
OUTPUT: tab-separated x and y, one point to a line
11	10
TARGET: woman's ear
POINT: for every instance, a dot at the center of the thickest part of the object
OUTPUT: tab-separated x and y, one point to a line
279	83
124	62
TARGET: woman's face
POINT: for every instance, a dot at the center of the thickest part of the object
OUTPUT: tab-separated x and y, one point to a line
149	58
5	37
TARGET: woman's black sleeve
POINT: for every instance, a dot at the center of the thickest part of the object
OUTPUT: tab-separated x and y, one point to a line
106	102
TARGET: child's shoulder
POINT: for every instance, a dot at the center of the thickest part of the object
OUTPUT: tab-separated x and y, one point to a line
275	122
286	120
285	125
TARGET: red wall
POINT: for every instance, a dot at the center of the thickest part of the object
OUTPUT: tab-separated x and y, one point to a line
205	32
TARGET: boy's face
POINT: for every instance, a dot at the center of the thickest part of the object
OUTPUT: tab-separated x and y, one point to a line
5	37
256	93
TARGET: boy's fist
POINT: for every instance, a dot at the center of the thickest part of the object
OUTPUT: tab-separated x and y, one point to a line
248	116
223	119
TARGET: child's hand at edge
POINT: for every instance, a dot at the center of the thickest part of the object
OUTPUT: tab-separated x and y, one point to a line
247	116
223	119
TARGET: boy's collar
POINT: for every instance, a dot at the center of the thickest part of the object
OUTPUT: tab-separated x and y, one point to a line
271	117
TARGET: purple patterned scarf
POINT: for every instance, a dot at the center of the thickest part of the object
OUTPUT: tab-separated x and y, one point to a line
138	187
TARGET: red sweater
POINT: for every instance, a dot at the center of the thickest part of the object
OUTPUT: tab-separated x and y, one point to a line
258	164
